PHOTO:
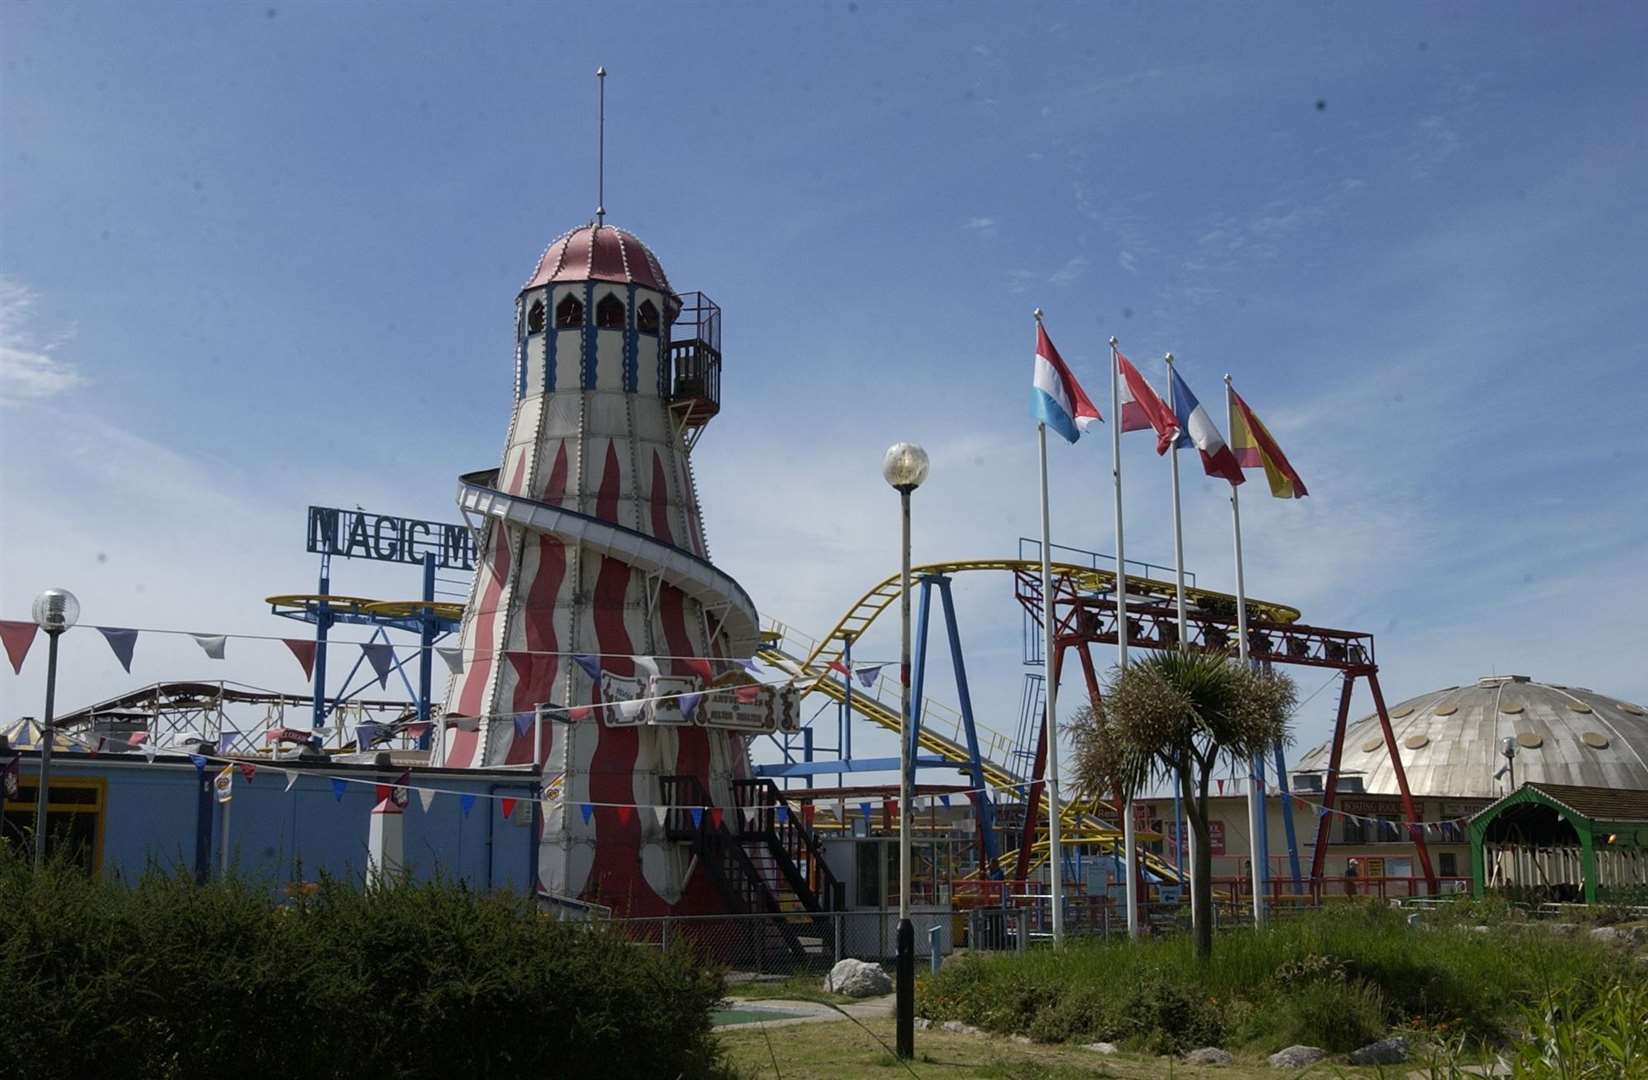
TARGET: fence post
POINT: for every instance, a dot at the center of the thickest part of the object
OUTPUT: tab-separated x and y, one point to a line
840	932
932	946
1024	926
663	935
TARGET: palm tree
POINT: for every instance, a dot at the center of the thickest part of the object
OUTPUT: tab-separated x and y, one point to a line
1171	718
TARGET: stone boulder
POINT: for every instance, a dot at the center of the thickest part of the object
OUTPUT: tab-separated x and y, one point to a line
1208	1055
956	1027
858	979
1384	1052
1101	1047
1297	1057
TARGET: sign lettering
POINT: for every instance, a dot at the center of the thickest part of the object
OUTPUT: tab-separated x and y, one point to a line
355	534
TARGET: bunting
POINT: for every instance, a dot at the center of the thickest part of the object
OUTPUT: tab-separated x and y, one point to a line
466	803
523	724
507	805
382	658
590	665
868	675
399	794
646	664
18	636
247	770
213	645
10	777
453	658
624	814
121	643
224	784
697	814
689	704
305	653
338	788
426	797
698	666
291	779
587	811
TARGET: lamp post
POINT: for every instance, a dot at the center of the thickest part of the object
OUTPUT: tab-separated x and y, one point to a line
55	610
904	467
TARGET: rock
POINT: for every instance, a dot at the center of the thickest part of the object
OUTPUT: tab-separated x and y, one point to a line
1384	1052
858	979
1208	1055
1612	935
1480	930
1297	1057
1566	929
1101	1047
1414	919
922	1023
956	1027
1022	1040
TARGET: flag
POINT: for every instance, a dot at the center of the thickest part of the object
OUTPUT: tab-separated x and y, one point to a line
645	665
11	774
18	636
382	659
338	788
291	780
466	803
1142	409
399	795
867	676
747	694
587	811
1255	449
138	738
1056	398
507	806
523	723
842	669
121	642
225	784
864	808
591	666
452	657
715	817
305	653
697	815
211	644
699	667
1196	429
624	813
247	770
426	796
689	703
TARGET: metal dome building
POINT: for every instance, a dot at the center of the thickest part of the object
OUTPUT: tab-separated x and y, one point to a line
1451	742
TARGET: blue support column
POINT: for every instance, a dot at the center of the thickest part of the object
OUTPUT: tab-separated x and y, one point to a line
323	623
986	805
1287	820
426	641
918	676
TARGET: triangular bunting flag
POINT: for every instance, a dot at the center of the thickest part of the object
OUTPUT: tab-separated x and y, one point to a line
453	658
697	665
138	738
747	694
750	666
864	808
121	642
716	817
18	636
631	710
224	783
247	769
211	644
867	676
382	658
659	815
426	798
197	761
466	803
507	806
291	780
401	794
523	723
338	788
305	653
945	799
587	811
624	814
782	813
591	666
1221	784
689	704
841	669
645	665
579	712
697	814
149	751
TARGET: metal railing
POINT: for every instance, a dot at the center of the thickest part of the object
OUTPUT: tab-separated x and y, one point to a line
765	945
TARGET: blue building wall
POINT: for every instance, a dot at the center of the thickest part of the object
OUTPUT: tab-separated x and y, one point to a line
151	815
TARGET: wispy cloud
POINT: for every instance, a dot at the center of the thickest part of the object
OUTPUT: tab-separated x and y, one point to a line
979	224
28	370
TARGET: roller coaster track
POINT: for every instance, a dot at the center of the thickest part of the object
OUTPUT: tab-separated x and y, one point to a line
941	732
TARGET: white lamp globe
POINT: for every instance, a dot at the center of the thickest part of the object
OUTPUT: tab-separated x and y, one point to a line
904	466
55	610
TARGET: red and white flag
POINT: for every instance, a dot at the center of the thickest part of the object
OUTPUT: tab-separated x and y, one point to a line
1142	409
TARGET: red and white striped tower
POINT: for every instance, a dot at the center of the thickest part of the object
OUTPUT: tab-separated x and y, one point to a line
591	543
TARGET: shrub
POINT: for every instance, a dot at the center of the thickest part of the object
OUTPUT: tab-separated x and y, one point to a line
1335	1014
172	979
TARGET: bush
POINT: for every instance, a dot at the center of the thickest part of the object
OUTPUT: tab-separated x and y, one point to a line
172	979
1327	978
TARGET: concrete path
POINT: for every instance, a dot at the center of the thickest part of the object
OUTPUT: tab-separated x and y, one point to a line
809	1012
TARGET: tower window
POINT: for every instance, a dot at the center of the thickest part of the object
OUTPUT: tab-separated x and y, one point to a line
535	317
646	317
609	313
569	313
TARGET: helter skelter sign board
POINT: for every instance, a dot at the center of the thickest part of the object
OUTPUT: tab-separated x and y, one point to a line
356	534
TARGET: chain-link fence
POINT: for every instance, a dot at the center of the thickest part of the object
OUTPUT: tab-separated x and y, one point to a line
795	944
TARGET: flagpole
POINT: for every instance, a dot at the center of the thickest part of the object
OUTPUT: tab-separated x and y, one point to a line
1255	806
1051	733
1178	529
1129	839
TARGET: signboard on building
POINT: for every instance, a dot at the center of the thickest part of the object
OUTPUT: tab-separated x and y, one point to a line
356	534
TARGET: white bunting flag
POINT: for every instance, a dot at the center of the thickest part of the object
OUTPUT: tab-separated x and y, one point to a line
631	710
426	798
645	666
453	658
211	644
149	751
291	779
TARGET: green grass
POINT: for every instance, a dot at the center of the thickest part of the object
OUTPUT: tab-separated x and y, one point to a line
795	988
1335	979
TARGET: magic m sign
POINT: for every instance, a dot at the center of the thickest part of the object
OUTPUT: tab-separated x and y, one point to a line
355	534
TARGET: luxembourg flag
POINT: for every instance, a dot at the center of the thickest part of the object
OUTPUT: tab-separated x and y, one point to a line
1196	429
1056	398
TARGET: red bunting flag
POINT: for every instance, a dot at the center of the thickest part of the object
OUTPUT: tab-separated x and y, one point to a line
715	817
507	806
305	652
18	636
624	814
579	712
841	669
138	738
747	694
1221	784
698	666
248	770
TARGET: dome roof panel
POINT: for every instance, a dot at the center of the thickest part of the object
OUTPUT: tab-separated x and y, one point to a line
600	253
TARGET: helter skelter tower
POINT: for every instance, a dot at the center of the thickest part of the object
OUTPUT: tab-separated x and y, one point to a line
592	546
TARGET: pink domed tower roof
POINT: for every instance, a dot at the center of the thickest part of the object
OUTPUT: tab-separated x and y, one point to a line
600	253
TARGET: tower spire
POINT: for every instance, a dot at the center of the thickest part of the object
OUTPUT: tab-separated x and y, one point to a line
601	146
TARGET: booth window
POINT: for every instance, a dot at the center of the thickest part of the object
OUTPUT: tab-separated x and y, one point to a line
535	317
74	820
609	313
646	317
569	313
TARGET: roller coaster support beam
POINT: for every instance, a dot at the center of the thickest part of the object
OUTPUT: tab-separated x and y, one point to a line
1416	831
988	855
426	642
1287	819
1330	787
323	623
918	678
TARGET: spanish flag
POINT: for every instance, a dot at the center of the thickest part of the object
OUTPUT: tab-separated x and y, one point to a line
1255	449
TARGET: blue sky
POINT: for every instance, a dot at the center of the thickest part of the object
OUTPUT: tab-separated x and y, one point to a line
262	256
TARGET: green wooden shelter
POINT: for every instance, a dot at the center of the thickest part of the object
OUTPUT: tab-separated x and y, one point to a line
1553	840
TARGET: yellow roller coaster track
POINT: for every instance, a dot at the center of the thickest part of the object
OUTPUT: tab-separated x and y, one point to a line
811	663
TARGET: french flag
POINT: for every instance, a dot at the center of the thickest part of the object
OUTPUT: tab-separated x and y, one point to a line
1056	398
1196	429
